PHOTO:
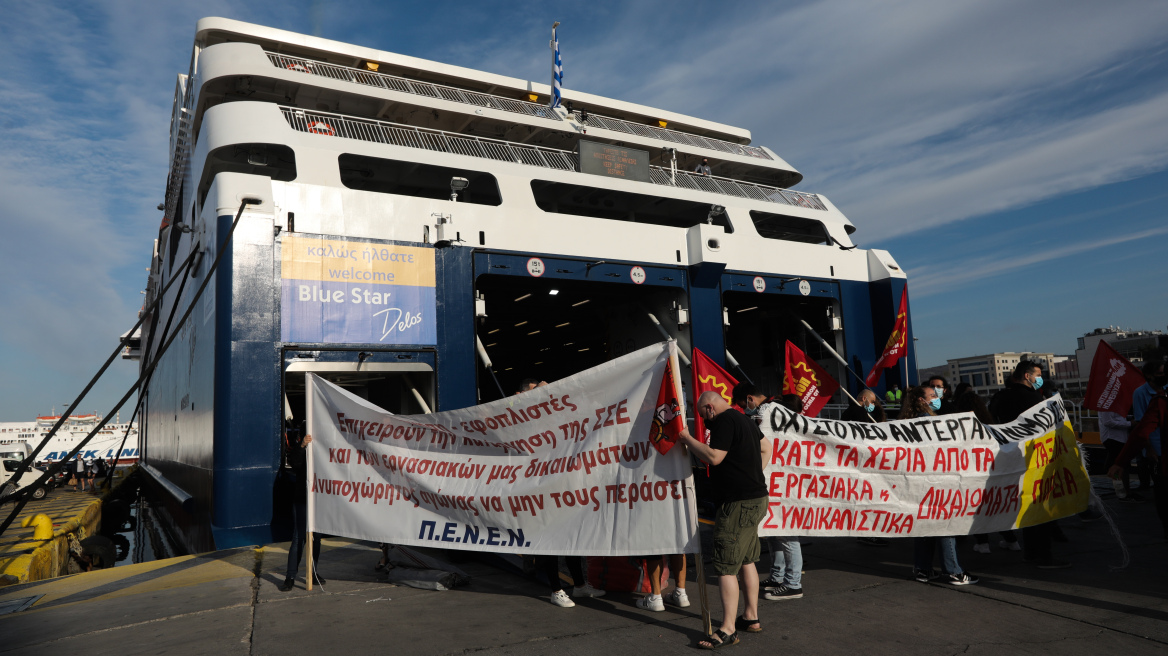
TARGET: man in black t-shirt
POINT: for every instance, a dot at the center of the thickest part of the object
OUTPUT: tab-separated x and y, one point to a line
736	453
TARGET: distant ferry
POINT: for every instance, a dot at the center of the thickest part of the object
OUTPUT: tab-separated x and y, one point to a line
74	430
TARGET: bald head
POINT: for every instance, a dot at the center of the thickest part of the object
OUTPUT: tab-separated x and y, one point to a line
867	397
711	404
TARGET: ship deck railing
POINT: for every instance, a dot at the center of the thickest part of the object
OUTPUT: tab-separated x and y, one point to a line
431	90
408	136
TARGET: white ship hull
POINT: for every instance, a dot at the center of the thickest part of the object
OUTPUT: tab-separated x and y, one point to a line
103	445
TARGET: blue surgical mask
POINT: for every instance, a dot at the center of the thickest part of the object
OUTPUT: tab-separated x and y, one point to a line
935	404
750	412
871	407
1037	382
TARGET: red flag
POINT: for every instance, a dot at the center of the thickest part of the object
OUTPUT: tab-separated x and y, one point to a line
897	344
807	380
1113	379
709	377
667	418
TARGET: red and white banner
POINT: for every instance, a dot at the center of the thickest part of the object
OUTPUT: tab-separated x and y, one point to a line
943	475
804	378
1113	380
568	468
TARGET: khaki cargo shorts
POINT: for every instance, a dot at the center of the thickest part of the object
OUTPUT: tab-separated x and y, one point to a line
736	534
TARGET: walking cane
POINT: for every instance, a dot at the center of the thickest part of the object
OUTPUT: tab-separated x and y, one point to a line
691	506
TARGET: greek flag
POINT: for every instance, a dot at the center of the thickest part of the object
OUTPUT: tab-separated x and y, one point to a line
557	69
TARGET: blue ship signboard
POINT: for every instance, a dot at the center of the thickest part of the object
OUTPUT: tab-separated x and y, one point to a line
336	291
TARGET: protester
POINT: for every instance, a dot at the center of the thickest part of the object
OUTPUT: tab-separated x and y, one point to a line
1019	395
893	395
924	402
298	462
736	454
785	580
1142	397
1155	418
944	392
870	408
551	564
679	597
704	167
1113	430
99	473
967	400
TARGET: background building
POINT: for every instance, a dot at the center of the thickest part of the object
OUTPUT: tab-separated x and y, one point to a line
989	373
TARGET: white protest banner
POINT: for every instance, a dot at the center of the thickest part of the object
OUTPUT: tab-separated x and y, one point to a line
565	469
942	475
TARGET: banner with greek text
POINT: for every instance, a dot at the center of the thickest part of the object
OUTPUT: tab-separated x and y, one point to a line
943	475
341	291
567	468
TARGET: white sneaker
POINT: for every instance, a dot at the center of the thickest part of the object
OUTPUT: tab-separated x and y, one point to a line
982	547
586	591
678	598
1010	546
651	602
560	598
1119	491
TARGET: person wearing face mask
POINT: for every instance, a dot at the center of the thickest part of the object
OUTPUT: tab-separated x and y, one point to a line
870	408
944	392
748	397
924	402
1021	394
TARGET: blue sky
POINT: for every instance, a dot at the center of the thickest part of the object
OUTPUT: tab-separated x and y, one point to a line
1012	156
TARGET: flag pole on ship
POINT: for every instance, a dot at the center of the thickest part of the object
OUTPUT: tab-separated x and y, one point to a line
557	69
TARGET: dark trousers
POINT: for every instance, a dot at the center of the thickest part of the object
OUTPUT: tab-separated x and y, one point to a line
1036	542
984	538
299	534
551	569
1161	492
1113	449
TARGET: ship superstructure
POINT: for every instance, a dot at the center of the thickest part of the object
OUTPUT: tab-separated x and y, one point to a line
429	235
105	444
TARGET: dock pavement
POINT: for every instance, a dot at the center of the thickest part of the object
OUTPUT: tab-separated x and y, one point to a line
859	599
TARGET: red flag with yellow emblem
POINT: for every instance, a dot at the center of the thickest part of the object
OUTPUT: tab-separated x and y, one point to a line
709	377
807	380
897	344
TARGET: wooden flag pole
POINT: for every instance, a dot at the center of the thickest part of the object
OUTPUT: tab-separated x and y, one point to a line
691	506
311	507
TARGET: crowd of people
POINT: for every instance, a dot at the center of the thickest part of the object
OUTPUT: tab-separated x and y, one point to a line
736	455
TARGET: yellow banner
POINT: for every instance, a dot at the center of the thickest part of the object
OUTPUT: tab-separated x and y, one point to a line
339	261
1055	483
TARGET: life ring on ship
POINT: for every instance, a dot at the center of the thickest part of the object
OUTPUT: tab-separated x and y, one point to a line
320	127
298	67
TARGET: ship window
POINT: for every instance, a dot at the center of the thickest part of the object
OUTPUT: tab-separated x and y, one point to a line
275	161
622	206
789	228
388	176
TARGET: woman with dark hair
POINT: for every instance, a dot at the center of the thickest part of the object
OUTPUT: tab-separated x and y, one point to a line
969	401
924	402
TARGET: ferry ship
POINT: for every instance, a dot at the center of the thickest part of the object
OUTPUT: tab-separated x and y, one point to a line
428	235
105	444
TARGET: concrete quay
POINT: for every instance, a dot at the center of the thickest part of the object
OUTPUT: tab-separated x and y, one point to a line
859	599
24	559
